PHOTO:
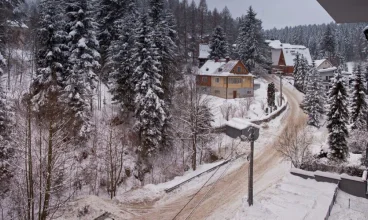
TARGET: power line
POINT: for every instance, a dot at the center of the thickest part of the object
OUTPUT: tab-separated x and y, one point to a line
204	197
198	191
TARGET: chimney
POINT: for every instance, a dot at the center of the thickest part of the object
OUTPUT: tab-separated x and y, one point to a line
227	59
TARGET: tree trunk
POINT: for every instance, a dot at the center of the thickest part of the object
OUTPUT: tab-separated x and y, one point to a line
30	165
194	155
49	176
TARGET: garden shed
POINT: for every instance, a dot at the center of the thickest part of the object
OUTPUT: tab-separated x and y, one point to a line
238	127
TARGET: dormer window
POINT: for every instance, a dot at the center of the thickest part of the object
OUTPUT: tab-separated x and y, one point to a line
207	69
220	69
239	69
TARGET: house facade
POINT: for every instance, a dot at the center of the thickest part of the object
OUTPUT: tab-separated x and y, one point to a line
228	79
283	56
204	54
327	72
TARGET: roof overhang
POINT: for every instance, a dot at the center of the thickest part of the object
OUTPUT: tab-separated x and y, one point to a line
346	11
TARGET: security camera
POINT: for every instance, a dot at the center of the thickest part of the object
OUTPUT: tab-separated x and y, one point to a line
366	32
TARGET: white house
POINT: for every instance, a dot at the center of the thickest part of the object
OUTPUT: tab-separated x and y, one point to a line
283	55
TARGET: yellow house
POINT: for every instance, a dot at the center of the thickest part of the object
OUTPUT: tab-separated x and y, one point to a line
228	79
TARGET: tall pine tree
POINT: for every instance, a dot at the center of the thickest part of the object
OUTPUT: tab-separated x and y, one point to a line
328	44
313	100
251	46
83	63
52	57
218	44
122	50
165	37
271	96
108	13
150	107
358	106
338	119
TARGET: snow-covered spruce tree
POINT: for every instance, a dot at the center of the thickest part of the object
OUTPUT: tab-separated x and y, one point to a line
53	54
108	12
358	108
337	121
165	37
271	96
302	76
83	63
150	107
313	100
46	98
251	46
6	150
328	44
218	44
121	49
297	61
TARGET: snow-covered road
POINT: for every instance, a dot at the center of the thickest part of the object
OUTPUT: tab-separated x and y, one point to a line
226	195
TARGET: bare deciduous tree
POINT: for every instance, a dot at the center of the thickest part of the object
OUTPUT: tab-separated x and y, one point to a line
294	143
228	111
196	118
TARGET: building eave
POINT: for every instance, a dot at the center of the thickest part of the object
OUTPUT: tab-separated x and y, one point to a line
346	11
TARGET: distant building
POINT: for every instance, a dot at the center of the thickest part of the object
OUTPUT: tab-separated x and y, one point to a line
283	56
228	79
204	54
326	71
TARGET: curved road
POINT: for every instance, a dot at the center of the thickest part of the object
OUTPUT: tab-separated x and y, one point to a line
226	197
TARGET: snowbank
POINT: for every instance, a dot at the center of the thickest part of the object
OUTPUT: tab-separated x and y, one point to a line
292	198
349	207
91	207
151	193
241	124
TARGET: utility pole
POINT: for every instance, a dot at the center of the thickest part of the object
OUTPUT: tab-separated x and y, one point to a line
280	89
250	184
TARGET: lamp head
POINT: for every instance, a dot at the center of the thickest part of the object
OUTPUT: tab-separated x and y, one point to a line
366	32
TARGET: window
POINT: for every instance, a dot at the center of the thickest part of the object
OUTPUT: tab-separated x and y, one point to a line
217	80
235	80
204	79
249	92
239	69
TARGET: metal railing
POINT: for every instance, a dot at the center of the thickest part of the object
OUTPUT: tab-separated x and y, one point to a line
201	174
333	201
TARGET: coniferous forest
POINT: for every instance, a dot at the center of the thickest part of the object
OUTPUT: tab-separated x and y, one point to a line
98	97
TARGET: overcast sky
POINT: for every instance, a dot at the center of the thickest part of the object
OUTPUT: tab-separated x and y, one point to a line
277	13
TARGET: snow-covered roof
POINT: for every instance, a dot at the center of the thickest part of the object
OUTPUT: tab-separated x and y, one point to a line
241	124
218	68
290	52
319	62
331	69
204	51
16	24
275	44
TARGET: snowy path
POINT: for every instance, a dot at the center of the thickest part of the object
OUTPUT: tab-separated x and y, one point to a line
226	196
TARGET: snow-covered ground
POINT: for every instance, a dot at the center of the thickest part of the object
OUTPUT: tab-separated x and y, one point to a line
351	66
348	207
156	193
257	109
91	207
151	192
291	198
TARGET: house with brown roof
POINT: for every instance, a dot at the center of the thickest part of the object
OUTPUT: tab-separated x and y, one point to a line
228	79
